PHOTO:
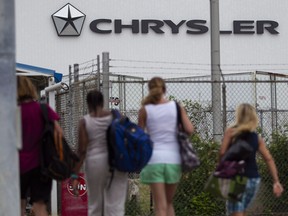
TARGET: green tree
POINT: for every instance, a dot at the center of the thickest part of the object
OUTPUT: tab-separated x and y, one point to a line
191	199
278	148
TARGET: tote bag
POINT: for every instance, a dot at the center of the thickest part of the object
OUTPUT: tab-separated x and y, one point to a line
227	188
189	157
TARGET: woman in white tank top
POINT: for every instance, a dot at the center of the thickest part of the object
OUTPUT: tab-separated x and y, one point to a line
92	147
159	117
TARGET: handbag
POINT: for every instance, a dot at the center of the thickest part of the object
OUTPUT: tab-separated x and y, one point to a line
231	189
189	158
229	169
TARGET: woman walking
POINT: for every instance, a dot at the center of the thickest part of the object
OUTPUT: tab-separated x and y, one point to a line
159	117
31	179
245	126
92	148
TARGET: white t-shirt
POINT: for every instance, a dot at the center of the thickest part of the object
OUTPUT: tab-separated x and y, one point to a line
161	126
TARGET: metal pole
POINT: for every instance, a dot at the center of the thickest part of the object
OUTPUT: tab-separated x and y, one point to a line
76	73
105	82
98	73
124	99
215	72
224	119
224	106
70	106
273	102
54	206
255	89
84	111
121	93
9	175
70	75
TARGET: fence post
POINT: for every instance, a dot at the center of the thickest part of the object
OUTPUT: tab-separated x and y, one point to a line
9	176
105	82
70	107
76	73
123	99
273	102
122	93
215	71
224	118
76	97
255	88
98	73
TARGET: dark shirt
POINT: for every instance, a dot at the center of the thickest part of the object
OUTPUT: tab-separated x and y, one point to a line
251	168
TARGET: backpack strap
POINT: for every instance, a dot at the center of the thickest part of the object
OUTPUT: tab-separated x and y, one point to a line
57	139
44	112
179	119
116	115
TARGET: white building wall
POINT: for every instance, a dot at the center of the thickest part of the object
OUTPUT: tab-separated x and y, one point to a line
38	43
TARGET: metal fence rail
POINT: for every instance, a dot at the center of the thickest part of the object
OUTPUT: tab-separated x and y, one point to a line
126	94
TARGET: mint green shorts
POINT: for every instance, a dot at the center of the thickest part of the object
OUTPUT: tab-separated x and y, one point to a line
161	173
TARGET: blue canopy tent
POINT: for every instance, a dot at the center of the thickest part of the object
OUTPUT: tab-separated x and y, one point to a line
29	70
38	75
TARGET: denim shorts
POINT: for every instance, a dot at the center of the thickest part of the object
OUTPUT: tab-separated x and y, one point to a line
251	189
161	173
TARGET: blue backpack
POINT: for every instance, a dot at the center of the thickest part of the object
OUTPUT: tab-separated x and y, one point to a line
129	147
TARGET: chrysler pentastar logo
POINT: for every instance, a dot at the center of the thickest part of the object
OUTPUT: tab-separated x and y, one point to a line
68	21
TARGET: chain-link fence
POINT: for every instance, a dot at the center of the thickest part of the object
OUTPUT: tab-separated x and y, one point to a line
264	90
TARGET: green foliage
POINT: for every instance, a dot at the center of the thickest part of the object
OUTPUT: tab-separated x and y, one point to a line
190	198
195	201
278	148
138	205
199	114
133	208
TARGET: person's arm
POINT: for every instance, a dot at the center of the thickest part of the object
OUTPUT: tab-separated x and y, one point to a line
142	116
58	128
82	149
58	132
187	124
53	116
277	187
225	142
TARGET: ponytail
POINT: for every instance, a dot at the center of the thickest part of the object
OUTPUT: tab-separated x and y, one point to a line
156	89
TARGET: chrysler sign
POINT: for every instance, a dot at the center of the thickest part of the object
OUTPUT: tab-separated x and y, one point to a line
69	21
195	26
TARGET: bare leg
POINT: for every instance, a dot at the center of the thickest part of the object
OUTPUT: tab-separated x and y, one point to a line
159	197
170	192
40	209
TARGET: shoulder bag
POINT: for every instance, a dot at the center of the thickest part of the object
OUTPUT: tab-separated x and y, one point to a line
189	158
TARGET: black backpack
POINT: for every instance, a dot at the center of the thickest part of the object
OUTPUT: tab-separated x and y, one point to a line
57	158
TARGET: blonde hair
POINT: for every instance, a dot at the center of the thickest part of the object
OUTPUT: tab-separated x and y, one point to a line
246	119
25	89
156	88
